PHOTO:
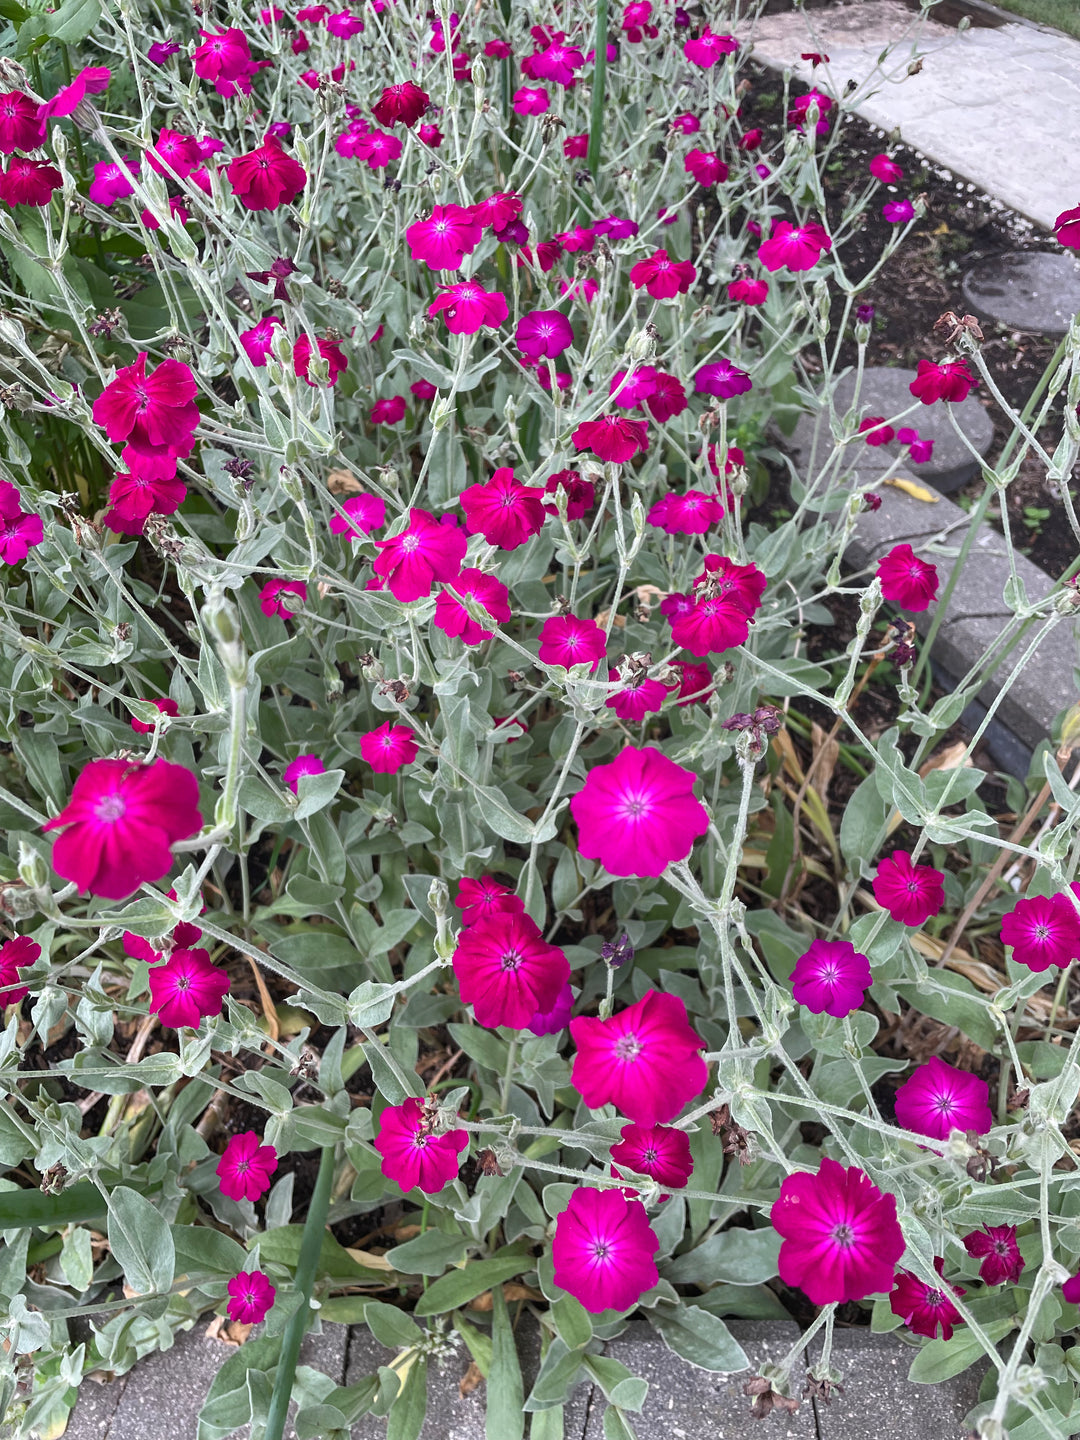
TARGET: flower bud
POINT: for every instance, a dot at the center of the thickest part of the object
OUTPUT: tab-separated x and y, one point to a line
32	868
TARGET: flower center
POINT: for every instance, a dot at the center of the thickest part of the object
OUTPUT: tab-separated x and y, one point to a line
600	1249
650	1157
243	1166
627	1047
1042	932
935	1298
183	984
843	1234
410	542
511	960
110	809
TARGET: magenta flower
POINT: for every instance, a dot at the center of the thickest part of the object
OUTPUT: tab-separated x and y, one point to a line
20	128
556	1017
946	381
696	685
938	1099
638	697
498	211
112	181
637	814
919	451
658	1151
20	530
1067	233
706	167
662	278
830	978
91	80
120	822
251	1297
376	148
486	591
557	63
411	563
1070	1291
133	497
668	398
629	389
467	306
507	971
423	390
343	25
187	988
277	598
603	1250
14	955
503	510
529	101
405	103
875	432
480	899
302	765
443	241
689	514
996	1246
747	291
924	1307
543	333
167	707
580	494
906	580
612	437
266	178
722	379
329	350
711	626
567	640
224	55
412	1156
175	155
365	514
155	414
388	412
800	111
708	48
885	169
898	212
910	893
1043	931
645	1060
793	248
246	1166
841	1236
161	50
258	340
388	748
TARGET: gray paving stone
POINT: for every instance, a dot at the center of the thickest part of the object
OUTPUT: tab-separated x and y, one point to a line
885	391
1036	290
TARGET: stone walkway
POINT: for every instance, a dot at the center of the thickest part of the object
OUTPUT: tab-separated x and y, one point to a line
998	107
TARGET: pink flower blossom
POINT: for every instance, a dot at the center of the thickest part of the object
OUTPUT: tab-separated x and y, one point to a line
28	182
567	640
388	412
20	530
430	135
800	111
412	1155
120	822
91	80
686	124
910	893
405	103
223	55
498	50
423	390
750	140
629	389
667	397
246	1166
637	814
543	333
875	432
329	350
830	978
747	291
658	1151
645	1060
162	50
938	1098
480	899
376	148
15	955
1043	931
424	554
612	438
365	513
186	989
302	765
258	340
112	181
497	211
793	248
251	1297
923	1308
906	580
695	687
135	496
898	212
266	178
344	25
1070	1291
706	167
531	101
712	626
841	1236
603	1250
947	381
467	306
885	169
276	598
388	748
1067	229
639	696
661	277
487	591
708	48
690	514
443	241
507	971
557	63
580	494
919	451
503	510
576	147
556	1017
155	414
175	155
996	1246
20	128
722	379
166	707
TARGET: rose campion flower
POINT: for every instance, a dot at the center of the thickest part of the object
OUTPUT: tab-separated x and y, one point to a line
800	111
175	155
423	390
885	169
528	101
251	1297
686	124
555	1018
612	437
1067	229
422	555
638	696
388	748
567	640
503	510
404	103
166	707
629	389
186	989
948	381
645	1060
112	181
507	971
302	765
637	814
120	822
28	182
376	148
543	333
498	211
412	1156
330	351
430	135
906	580
343	25
467	306
793	248
135	496
603	1250
487	591
580	494
155	414
996	1246
708	48
922	1307
690	514
20	530
711	626
696	686
20	128
841	1237
706	167
830	978
557	63
91	80
443	240
363	514
390	411
246	1166
15	955
1043	931
224	55
722	379
276	598
919	451
576	147
898	212
938	1098
480	899
659	1151
910	893
747	291
162	50
266	178
1070	1291
875	432
662	278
